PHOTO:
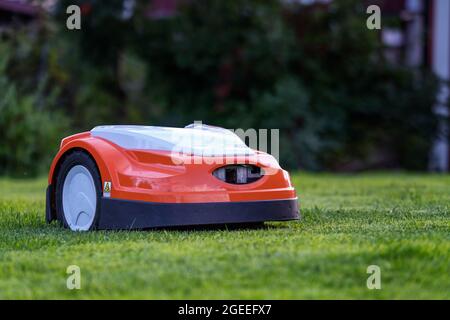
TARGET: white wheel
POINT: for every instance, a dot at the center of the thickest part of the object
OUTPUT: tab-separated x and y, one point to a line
79	198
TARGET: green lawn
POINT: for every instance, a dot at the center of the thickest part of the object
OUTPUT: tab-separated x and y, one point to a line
400	222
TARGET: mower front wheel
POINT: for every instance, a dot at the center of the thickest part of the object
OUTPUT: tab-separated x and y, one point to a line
78	192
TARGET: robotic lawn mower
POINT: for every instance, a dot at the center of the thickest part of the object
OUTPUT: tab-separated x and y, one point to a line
136	177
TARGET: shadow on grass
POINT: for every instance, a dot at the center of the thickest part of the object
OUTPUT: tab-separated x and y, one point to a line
216	227
55	226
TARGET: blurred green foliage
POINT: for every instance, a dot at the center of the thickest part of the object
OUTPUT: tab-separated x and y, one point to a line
31	126
316	73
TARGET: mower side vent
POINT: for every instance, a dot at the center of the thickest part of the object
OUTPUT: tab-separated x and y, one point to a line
238	174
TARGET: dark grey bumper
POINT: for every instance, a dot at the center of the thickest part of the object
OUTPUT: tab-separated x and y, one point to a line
125	214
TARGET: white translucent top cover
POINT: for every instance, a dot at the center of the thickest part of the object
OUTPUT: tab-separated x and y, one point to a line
196	140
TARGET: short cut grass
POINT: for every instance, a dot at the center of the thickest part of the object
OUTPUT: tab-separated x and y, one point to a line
399	222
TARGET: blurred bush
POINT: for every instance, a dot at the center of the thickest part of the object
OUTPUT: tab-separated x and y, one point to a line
368	112
30	126
315	72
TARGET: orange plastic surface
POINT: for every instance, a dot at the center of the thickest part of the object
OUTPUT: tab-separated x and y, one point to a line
151	175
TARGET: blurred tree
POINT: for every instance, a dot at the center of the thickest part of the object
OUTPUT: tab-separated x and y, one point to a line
92	57
313	71
375	114
227	63
31	127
